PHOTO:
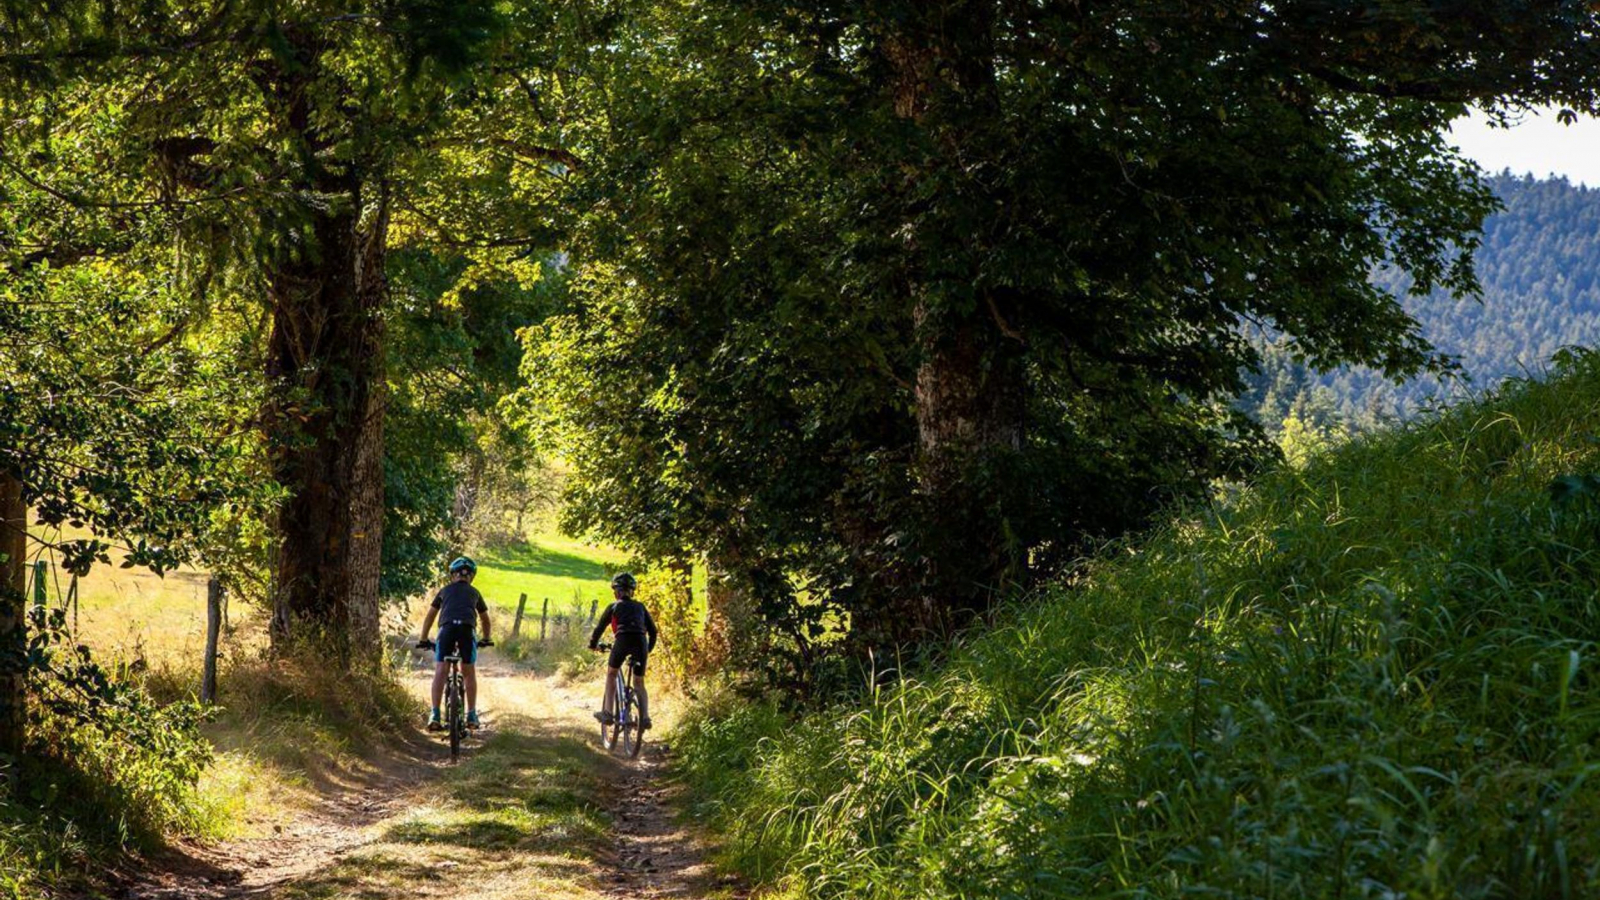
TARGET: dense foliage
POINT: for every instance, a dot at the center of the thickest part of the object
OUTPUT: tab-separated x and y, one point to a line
242	172
107	766
1368	677
894	312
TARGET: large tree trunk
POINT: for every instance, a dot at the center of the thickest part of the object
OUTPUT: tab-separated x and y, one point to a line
970	385
971	410
13	611
326	365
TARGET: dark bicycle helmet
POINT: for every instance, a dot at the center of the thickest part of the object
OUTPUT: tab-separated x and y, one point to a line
624	581
463	564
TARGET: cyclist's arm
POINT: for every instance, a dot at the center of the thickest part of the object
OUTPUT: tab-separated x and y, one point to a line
650	626
600	626
427	623
483	619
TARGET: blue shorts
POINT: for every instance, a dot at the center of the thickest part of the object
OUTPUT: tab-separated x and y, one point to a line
456	638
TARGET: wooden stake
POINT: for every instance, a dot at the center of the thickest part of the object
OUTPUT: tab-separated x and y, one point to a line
208	678
516	625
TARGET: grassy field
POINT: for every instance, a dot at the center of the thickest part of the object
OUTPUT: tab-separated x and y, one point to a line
569	573
134	613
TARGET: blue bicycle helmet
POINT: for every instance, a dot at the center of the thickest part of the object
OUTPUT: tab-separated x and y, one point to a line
463	564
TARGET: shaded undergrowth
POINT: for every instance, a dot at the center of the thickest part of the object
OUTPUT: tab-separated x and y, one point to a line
1370	676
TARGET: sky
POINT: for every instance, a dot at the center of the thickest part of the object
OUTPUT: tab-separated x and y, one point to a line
1538	144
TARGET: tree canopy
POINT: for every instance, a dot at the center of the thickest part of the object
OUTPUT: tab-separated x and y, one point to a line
909	302
884	308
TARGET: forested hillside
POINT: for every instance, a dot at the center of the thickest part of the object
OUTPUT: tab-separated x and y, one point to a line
1539	265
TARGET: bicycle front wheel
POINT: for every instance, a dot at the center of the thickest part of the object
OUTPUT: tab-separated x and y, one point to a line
609	731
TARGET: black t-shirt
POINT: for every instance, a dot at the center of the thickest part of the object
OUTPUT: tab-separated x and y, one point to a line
459	601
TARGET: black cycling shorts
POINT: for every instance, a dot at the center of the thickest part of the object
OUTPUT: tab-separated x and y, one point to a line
626	645
457	638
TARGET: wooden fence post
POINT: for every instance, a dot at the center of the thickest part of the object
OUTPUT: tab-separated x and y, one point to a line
593	605
516	625
543	615
208	678
40	570
13	616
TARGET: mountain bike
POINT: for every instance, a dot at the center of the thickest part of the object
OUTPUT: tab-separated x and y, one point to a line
627	723
455	698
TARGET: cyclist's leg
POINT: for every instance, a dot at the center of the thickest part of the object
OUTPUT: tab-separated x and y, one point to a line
608	705
469	674
638	664
440	670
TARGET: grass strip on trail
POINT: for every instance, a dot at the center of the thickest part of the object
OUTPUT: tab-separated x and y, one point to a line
520	817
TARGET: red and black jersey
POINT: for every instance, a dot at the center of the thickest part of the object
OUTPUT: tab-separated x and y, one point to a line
625	617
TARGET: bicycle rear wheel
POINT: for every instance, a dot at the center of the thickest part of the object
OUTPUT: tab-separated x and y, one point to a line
453	719
633	725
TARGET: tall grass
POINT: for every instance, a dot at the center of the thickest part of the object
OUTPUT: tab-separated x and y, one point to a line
1369	676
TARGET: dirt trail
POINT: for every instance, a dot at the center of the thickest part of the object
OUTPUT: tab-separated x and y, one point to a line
254	867
654	855
532	779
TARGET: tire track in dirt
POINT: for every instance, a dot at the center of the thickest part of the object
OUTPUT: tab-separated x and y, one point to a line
656	855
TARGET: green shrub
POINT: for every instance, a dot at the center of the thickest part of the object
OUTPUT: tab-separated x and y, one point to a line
1371	675
107	768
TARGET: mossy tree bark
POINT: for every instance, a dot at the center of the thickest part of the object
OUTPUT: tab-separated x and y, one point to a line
970	381
13	610
325	366
325	361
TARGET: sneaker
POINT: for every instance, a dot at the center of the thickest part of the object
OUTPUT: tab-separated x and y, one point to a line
644	724
434	724
472	719
604	718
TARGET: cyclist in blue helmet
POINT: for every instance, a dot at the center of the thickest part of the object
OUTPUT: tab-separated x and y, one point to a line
456	606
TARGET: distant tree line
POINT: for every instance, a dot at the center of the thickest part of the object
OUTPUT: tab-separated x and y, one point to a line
1539	268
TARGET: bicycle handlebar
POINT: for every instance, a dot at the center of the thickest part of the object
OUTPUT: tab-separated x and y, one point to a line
425	644
598	648
485	642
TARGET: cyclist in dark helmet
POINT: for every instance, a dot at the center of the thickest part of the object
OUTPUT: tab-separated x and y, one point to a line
456	606
633	636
